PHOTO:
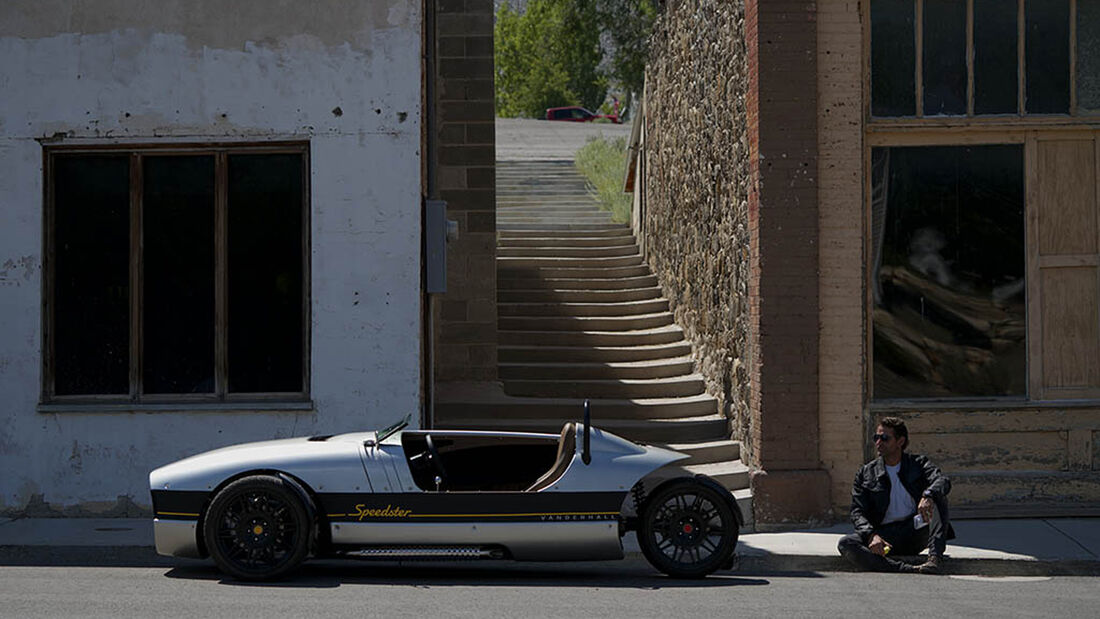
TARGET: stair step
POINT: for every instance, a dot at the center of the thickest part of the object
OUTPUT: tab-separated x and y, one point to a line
586	203
645	431
505	281
708	451
509	271
581	354
548	211
563	242
577	296
733	475
648	369
542	228
622	308
508	263
572	408
614	230
691	384
568	252
584	323
660	335
550	220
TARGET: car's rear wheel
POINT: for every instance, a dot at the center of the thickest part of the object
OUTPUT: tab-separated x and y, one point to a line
258	528
688	528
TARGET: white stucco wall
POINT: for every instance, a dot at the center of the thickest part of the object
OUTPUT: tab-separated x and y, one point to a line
132	71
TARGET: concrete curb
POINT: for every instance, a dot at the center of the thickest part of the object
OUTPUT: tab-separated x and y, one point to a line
753	564
778	564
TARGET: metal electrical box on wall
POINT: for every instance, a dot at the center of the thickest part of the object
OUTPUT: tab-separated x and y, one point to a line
438	230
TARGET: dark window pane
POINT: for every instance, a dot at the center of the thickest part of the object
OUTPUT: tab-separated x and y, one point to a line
1088	54
1046	46
893	58
948	238
995	57
265	273
944	57
91	275
178	227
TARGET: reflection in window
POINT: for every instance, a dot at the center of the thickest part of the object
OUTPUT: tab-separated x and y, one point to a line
178	276
995	57
948	281
944	58
91	283
1088	54
1047	57
893	54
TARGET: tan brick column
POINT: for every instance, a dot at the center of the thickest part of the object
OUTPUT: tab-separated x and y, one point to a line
840	188
781	39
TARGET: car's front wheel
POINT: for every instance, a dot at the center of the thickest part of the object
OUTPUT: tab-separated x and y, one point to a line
257	528
688	528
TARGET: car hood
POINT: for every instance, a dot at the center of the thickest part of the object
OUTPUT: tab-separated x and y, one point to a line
206	470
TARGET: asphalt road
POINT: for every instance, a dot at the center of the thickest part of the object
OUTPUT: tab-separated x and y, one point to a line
501	589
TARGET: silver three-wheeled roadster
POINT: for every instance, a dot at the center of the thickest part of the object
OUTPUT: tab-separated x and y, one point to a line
260	509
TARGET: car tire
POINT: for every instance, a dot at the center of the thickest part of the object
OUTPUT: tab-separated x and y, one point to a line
688	528
258	528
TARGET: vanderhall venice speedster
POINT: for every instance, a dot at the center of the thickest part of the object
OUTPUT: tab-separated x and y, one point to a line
260	509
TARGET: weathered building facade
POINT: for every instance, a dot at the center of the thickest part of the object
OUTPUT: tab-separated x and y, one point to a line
886	217
211	233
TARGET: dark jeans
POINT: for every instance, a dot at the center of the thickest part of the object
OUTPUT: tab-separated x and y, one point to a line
903	539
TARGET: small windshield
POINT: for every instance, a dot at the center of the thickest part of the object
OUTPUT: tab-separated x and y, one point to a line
388	431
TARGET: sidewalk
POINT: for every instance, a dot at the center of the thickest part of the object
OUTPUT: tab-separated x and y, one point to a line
1017	547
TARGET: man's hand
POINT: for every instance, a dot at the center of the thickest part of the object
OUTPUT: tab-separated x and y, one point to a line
924	508
877	545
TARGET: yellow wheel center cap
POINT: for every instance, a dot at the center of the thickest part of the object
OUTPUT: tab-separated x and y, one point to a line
258	530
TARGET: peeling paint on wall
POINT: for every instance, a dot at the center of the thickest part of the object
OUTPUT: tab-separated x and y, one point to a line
119	72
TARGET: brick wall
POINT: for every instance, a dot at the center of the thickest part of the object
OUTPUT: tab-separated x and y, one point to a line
840	164
784	227
465	317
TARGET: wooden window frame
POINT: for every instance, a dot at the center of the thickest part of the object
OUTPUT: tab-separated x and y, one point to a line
1020	116
135	398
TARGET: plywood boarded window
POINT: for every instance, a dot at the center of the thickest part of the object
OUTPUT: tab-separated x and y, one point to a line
949	272
176	274
1064	294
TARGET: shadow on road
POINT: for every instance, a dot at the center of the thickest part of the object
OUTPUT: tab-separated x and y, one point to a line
332	574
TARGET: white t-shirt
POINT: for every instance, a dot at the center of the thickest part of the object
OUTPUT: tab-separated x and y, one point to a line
902	504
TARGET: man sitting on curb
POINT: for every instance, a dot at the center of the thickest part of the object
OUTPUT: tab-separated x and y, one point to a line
899	506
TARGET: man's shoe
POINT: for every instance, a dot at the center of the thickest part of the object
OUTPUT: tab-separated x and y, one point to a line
901	567
934	565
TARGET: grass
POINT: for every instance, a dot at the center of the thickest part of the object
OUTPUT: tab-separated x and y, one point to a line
603	163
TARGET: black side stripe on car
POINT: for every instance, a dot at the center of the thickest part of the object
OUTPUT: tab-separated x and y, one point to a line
471	506
428	506
178	504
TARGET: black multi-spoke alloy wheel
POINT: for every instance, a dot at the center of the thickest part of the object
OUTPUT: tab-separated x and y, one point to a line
688	528
257	528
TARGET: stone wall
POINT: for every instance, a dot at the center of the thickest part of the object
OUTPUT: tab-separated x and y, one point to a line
732	227
697	187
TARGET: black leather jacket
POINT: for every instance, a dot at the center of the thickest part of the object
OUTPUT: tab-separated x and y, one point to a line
871	491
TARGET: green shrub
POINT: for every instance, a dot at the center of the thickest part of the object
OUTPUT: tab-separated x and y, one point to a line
602	161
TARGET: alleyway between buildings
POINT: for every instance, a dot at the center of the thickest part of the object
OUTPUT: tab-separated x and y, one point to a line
581	316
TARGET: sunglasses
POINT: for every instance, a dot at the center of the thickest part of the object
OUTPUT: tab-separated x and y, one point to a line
885	438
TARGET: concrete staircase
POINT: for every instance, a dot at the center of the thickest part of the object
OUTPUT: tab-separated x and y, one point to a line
580	315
